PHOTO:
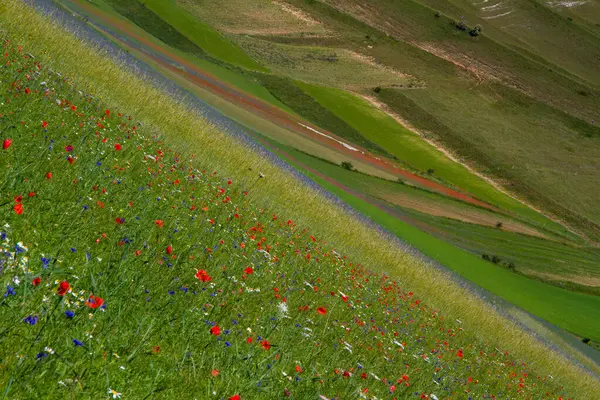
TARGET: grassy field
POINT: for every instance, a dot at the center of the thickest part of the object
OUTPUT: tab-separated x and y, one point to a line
142	288
201	34
335	67
537	254
562	307
488	93
102	13
408	147
358	121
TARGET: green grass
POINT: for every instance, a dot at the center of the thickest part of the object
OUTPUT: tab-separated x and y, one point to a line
530	254
288	93
201	34
131	326
328	66
229	74
408	147
569	310
466	79
160	273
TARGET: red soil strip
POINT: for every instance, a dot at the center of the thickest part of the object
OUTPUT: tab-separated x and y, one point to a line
207	81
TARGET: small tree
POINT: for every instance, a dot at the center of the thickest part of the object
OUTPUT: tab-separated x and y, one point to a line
585	340
347	165
431	171
499	225
476	31
377	89
461	26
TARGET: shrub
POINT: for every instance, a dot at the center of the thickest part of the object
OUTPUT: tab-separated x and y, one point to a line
347	165
377	89
431	171
499	225
461	26
476	31
437	14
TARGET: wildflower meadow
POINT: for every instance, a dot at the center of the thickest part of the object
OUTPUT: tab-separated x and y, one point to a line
129	270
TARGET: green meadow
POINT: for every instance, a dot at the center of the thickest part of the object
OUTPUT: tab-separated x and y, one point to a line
147	254
512	109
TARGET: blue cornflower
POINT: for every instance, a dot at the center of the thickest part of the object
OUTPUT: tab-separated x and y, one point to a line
171	292
85	207
10	291
77	343
69	314
227	344
98	163
31	320
41	355
45	262
73	249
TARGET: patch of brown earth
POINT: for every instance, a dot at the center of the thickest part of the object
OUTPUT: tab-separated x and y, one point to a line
458	213
591	281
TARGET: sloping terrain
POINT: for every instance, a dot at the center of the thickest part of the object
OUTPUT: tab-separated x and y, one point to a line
480	111
133	267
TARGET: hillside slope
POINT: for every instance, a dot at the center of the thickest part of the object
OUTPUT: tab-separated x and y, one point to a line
133	269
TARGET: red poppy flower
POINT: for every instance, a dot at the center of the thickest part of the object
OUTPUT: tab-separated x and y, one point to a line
215	373
27	90
322	310
48	175
94	302
265	344
36	281
235	397
74	108
249	271
249	340
31	194
68	148
18	208
120	221
18	199
215	330
203	276
6	143
404	378
63	288
159	222
70	159
298	369
44	124
169	249
459	354
118	146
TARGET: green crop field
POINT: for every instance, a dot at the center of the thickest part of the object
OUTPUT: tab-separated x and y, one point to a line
564	263
513	113
201	34
562	307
